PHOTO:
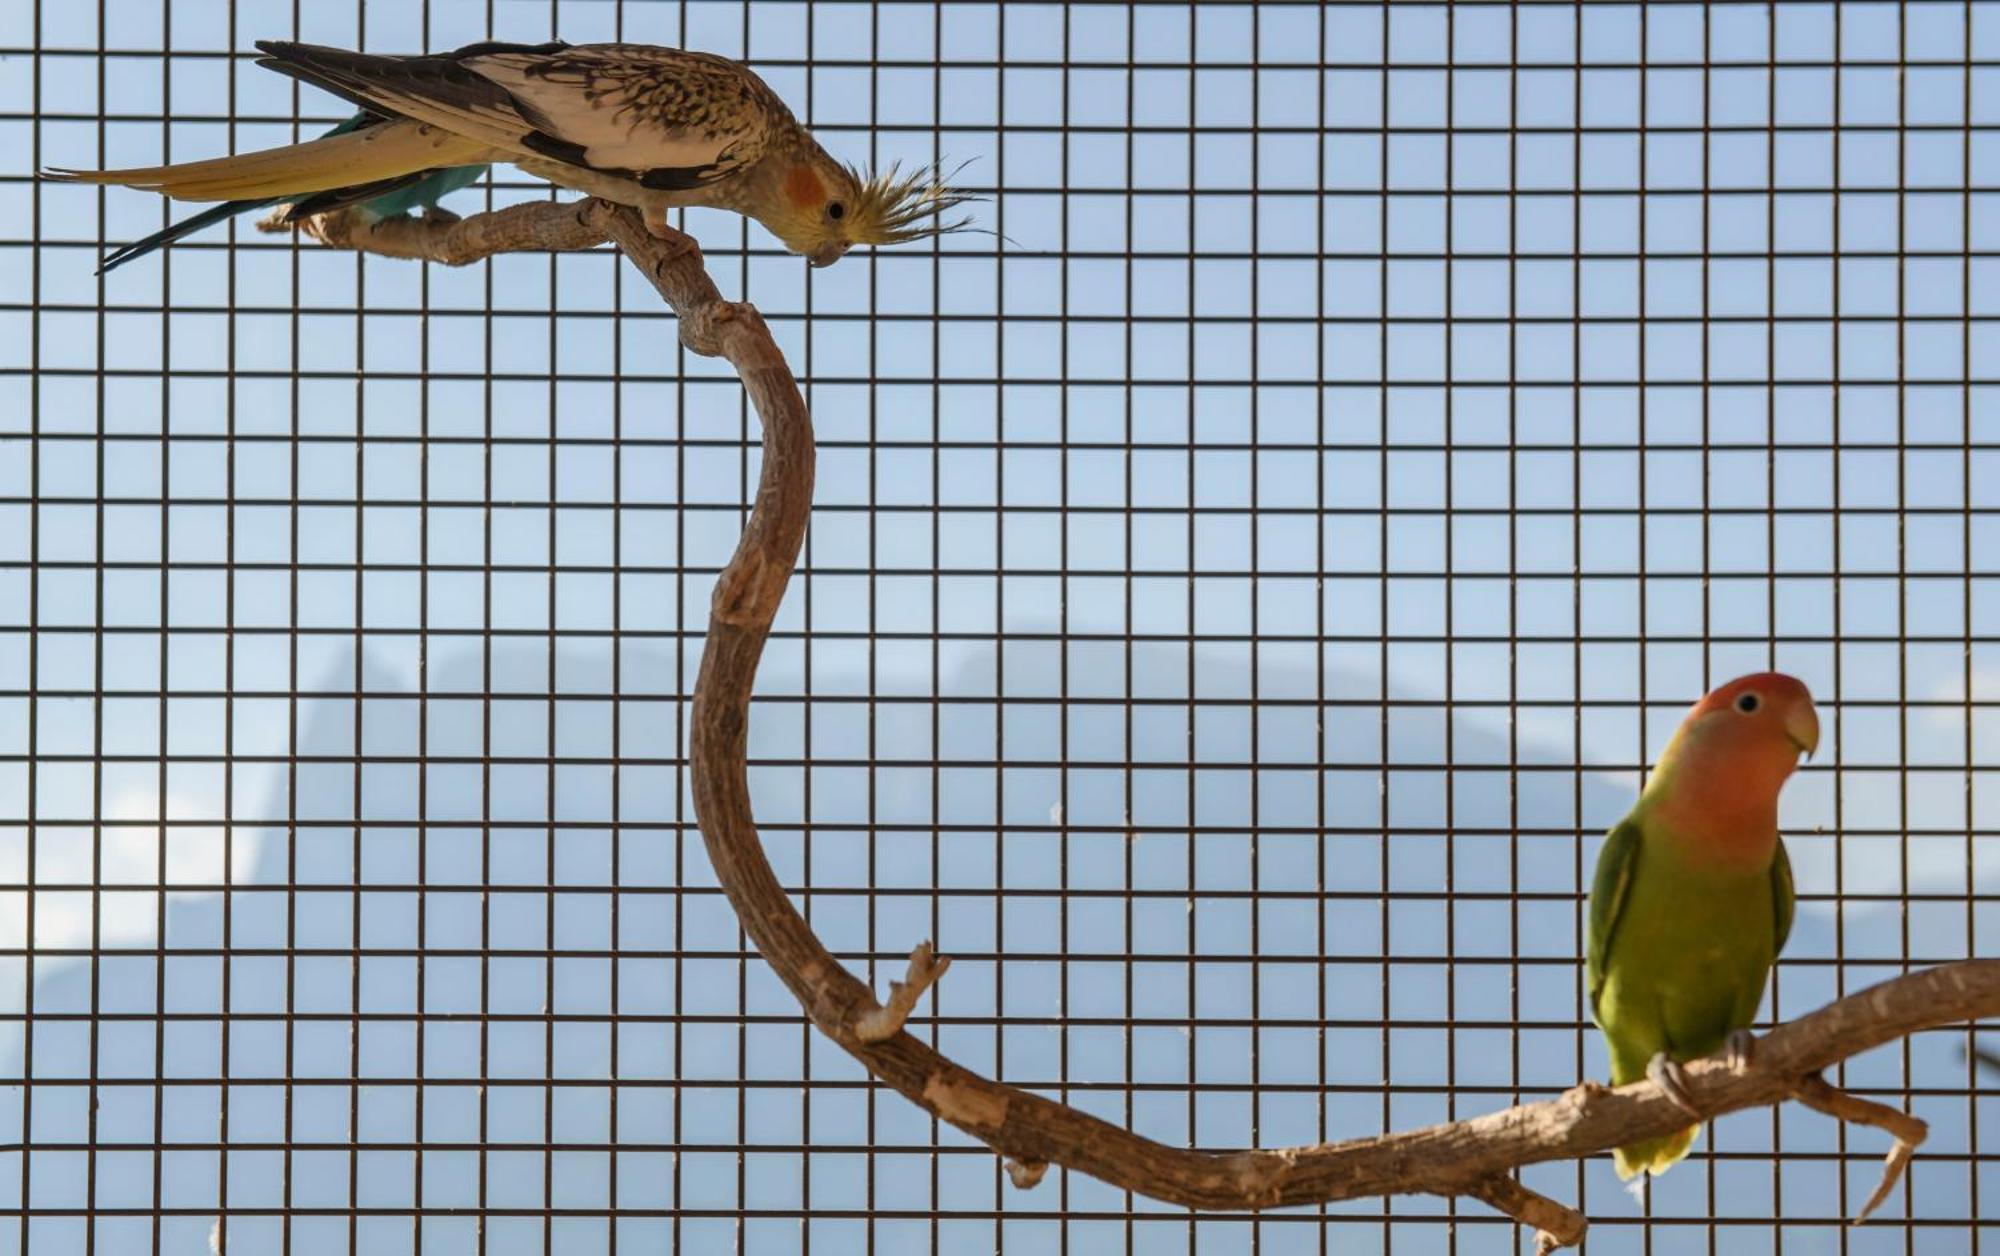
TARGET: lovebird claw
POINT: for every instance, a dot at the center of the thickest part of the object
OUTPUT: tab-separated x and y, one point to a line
1741	1050
1672	1081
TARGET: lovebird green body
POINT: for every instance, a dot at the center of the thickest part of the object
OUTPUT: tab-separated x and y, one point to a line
1692	899
420	193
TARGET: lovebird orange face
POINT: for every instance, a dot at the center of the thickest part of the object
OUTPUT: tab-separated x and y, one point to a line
1721	773
1768	716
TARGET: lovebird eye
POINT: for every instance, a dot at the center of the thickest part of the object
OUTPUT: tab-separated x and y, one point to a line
1748	703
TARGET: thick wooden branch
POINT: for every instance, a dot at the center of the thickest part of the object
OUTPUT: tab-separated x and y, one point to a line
1472	1157
532	226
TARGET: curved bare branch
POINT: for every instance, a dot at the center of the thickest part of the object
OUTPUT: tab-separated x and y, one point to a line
1470	1157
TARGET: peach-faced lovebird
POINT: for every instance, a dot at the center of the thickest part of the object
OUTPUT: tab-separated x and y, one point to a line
653	128
1693	895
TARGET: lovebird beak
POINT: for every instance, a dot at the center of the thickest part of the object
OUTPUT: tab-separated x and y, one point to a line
1802	726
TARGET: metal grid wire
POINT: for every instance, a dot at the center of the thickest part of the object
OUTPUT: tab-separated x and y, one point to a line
1380	422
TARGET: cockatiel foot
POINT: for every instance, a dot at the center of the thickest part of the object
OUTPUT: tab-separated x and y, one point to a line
660	229
1672	1080
1740	1050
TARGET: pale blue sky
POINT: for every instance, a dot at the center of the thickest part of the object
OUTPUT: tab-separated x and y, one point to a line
1306	444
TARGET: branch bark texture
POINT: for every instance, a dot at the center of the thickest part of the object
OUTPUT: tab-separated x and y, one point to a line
1473	1157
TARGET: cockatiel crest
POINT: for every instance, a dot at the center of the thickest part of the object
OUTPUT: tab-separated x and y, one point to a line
654	128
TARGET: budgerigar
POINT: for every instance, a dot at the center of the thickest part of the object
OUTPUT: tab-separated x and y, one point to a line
420	190
654	128
1693	896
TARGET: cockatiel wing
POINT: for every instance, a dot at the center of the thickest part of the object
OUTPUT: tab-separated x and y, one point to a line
632	107
665	118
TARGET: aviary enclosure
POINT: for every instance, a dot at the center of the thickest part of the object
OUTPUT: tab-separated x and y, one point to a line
1202	621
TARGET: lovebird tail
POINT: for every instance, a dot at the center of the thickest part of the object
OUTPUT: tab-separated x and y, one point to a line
1653	1155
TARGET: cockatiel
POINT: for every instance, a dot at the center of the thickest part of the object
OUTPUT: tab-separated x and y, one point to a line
1693	895
654	128
422	190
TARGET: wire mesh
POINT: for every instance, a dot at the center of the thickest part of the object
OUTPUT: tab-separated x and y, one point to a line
1235	605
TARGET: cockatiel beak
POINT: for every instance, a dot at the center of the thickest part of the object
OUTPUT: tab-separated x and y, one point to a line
1802	727
829	253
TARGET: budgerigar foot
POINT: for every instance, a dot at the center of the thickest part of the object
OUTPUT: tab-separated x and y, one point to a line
438	216
1672	1080
1741	1050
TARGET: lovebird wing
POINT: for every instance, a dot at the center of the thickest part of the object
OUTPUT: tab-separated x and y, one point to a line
1612	885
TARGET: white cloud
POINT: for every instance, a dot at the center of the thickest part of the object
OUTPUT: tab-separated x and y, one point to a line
122	857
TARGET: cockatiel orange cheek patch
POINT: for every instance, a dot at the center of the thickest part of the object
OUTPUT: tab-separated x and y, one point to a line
803	187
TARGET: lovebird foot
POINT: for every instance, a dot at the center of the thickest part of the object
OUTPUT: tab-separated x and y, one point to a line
1668	1075
1741	1050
